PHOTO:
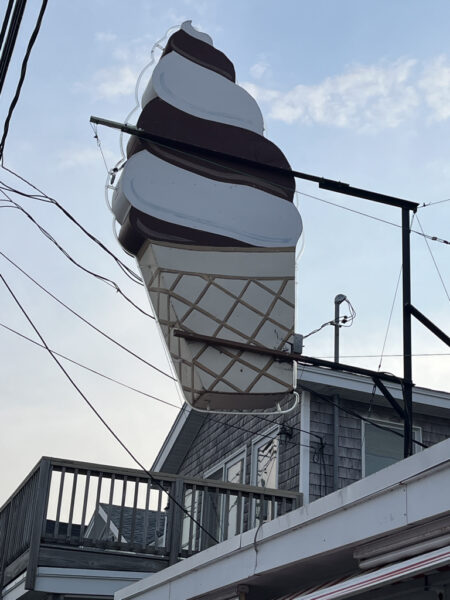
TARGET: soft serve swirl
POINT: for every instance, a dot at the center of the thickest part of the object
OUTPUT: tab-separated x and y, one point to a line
178	197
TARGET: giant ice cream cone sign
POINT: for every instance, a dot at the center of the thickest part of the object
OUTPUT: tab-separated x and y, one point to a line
215	241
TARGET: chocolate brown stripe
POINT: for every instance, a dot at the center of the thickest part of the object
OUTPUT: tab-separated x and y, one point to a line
139	227
162	119
201	53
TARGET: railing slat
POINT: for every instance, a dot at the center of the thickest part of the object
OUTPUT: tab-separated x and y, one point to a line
58	507
147	504
110	503
72	504
191	520
122	504
133	515
85	500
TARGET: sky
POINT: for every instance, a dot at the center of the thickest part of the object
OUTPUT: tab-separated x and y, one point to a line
353	91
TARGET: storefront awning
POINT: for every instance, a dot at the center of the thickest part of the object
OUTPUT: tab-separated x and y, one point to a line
357	584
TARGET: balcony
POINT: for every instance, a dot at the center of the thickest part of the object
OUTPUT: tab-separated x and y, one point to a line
85	517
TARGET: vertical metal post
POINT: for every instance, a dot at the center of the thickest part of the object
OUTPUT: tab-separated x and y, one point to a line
337	308
407	346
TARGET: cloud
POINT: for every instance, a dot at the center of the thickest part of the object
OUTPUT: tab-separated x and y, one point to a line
115	81
259	69
435	86
103	36
119	79
365	98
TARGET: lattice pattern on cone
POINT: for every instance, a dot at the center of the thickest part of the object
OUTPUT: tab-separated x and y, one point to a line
256	310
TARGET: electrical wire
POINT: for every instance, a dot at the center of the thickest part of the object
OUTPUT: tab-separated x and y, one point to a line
356	414
241	172
22	76
143	393
389	319
91	325
425	204
392	307
90	369
125	268
13	27
102	420
50	237
434	262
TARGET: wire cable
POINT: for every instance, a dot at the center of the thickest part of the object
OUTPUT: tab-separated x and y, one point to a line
125	268
22	76
50	237
425	204
356	414
241	172
434	262
102	420
91	325
151	396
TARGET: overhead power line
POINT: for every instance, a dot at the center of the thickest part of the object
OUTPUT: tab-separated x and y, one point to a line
50	237
12	27
86	321
22	75
373	217
151	396
425	204
434	262
102	420
181	148
125	268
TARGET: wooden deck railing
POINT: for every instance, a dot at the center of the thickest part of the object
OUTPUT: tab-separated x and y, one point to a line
65	510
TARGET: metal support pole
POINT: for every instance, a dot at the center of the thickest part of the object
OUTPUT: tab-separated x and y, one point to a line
407	346
337	309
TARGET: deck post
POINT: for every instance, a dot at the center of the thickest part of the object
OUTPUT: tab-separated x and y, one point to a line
175	520
39	519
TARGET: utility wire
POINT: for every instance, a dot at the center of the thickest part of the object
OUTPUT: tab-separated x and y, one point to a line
356	414
435	263
133	353
50	237
363	214
151	396
90	369
22	76
94	327
129	272
102	420
389	319
13	30
242	172
425	204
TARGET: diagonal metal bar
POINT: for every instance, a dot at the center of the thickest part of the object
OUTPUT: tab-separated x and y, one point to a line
428	324
328	184
389	397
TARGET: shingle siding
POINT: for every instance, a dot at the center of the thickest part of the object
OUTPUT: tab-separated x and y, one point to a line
222	435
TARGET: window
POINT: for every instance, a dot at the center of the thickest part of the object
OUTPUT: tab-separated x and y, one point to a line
265	460
381	448
265	450
216	517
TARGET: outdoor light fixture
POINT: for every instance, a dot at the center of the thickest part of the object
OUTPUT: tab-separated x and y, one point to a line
284	434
